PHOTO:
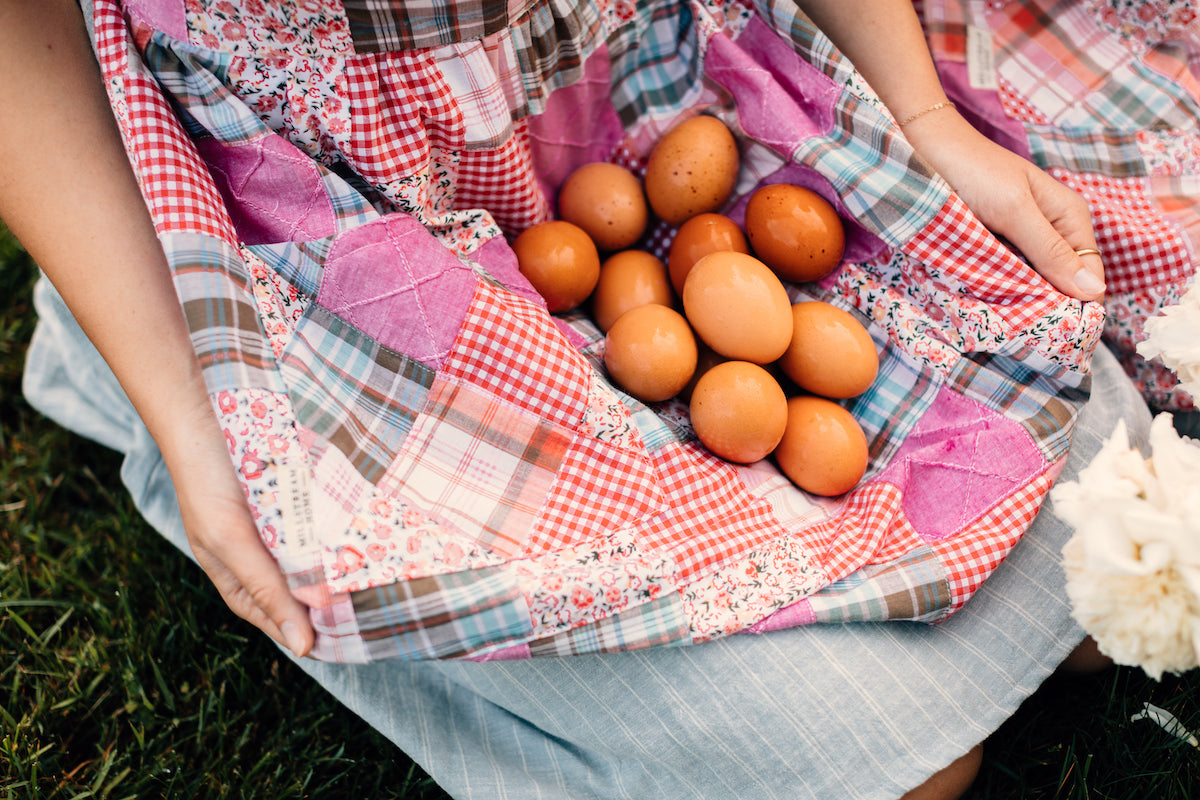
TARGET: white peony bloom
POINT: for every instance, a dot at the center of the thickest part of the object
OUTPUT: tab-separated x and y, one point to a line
1133	563
1174	336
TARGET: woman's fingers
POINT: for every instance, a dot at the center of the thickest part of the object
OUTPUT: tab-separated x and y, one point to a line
226	543
1058	240
253	586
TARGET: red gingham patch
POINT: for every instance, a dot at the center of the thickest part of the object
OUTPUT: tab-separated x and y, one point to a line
502	181
960	247
178	188
864	522
402	107
599	488
712	518
972	556
512	348
1142	246
112	39
176	185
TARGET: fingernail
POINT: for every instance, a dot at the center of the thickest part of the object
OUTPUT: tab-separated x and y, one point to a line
1088	283
291	635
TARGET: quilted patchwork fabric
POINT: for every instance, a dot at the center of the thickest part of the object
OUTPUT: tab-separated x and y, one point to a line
442	468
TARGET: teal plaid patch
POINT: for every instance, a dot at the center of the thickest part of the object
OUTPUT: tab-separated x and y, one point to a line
443	616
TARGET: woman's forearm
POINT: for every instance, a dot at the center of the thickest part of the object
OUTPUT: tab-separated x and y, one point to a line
69	195
885	42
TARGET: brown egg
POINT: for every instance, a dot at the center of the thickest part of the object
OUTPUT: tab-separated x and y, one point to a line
607	201
795	231
831	353
561	262
823	449
738	411
629	279
650	352
702	234
738	307
692	169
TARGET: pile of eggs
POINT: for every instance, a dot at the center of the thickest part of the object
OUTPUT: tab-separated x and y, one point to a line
733	339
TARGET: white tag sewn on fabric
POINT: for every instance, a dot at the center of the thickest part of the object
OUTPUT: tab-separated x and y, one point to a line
981	59
295	508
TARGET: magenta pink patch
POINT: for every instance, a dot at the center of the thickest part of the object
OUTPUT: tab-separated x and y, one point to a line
273	192
958	461
394	281
578	126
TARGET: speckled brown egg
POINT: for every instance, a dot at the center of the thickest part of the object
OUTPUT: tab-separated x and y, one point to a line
702	234
607	201
691	170
795	231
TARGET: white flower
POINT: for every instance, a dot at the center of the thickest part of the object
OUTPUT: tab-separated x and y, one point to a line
1133	563
1174	336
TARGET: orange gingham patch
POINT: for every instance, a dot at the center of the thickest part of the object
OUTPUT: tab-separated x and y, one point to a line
511	348
712	517
971	556
599	488
1143	248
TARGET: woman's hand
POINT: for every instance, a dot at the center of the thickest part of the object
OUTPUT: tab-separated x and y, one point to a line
1042	218
223	536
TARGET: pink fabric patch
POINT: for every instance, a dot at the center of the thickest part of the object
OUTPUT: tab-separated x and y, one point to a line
983	108
168	16
578	126
779	106
273	192
958	460
799	613
395	282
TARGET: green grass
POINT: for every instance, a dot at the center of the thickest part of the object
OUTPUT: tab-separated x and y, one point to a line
123	675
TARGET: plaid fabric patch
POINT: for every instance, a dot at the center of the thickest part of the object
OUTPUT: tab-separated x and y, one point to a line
480	464
443	616
380	26
227	332
913	587
888	410
658	623
355	394
1103	152
1110	84
1046	409
656	63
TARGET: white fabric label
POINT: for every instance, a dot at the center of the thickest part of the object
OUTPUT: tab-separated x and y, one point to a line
295	508
981	59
